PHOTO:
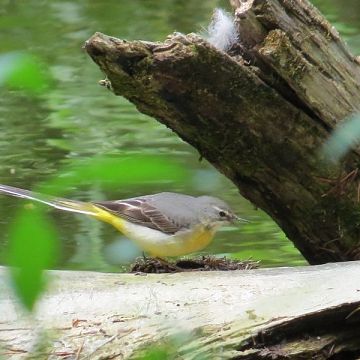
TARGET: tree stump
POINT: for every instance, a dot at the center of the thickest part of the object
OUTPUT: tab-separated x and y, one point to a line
260	113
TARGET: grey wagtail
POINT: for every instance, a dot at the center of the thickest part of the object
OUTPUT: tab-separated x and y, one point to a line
163	224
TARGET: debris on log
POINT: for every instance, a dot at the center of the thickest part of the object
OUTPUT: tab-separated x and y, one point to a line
202	263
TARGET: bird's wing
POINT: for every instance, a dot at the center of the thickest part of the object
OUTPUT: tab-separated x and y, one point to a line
139	211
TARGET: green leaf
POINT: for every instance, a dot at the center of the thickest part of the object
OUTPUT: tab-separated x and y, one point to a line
33	248
23	71
155	353
117	172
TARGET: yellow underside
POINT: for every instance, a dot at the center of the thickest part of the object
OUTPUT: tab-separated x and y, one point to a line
109	218
171	245
180	244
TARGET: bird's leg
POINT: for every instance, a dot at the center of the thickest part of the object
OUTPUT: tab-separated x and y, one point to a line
156	264
167	264
163	261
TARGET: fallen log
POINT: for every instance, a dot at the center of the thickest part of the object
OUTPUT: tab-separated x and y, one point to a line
292	313
260	113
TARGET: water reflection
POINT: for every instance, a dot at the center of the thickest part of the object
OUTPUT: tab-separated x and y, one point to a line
76	119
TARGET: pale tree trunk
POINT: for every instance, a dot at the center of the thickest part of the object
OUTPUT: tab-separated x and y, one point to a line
288	313
259	113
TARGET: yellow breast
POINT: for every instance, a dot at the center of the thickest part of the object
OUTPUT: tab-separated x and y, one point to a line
195	240
157	243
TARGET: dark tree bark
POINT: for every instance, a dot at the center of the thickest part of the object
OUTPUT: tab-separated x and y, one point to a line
260	114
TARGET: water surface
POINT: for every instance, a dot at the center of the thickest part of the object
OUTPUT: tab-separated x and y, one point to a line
77	119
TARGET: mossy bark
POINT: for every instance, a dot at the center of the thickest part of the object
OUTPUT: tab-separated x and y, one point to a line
260	113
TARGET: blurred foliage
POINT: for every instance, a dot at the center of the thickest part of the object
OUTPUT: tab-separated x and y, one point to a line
343	139
33	248
115	172
168	348
155	353
23	71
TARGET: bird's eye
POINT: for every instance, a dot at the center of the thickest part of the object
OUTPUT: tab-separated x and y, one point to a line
222	213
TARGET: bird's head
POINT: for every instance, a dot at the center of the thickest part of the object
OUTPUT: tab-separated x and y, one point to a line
215	211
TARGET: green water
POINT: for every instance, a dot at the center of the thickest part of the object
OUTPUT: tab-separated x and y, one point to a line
77	119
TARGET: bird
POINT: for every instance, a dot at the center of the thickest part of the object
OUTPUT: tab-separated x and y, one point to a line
165	224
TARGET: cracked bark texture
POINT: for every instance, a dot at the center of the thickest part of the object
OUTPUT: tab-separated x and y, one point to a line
295	313
259	113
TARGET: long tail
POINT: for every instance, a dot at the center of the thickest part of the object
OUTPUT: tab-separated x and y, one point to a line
58	203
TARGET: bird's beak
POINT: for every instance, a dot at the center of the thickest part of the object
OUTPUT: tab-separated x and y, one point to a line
238	218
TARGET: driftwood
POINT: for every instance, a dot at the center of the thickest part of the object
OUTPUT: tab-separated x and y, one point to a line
259	113
292	313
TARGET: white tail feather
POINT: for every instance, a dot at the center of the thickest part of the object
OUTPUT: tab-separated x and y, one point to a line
58	203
